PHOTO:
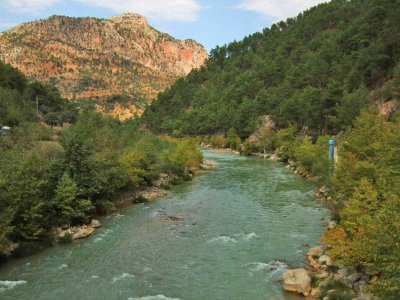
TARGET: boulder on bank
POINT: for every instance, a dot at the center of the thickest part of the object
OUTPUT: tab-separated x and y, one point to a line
325	260
81	232
274	157
95	224
153	193
297	281
313	257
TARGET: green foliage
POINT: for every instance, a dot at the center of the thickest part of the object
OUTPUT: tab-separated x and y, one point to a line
219	141
286	138
19	100
140	170
313	157
335	290
187	156
6	216
65	239
366	185
72	209
24	183
233	139
248	148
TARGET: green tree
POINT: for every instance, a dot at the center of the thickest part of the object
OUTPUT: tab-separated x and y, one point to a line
72	209
233	139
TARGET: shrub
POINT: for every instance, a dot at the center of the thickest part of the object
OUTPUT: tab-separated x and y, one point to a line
219	141
65	239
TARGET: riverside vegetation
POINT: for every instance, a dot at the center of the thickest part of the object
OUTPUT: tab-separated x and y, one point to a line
323	73
52	177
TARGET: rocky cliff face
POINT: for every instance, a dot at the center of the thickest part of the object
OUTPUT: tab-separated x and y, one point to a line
90	58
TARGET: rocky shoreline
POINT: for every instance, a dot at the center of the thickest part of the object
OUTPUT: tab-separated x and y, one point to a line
147	194
67	234
323	279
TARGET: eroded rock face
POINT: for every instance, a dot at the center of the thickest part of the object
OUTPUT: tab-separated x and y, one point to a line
95	58
297	281
267	124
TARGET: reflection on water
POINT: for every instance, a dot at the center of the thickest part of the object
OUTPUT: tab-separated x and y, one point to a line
233	233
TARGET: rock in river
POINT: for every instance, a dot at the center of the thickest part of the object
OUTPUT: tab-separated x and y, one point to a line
297	281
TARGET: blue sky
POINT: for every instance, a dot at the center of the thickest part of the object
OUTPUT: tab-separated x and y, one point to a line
209	22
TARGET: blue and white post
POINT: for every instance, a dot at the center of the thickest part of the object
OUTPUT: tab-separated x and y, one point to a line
331	155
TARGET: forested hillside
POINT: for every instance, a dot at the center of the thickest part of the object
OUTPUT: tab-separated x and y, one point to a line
315	70
24	101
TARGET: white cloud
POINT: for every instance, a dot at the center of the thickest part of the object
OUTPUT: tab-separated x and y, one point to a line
279	9
158	10
28	6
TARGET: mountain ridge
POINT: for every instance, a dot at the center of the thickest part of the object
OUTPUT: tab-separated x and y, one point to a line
90	58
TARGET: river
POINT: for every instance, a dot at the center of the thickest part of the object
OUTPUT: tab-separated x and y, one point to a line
235	231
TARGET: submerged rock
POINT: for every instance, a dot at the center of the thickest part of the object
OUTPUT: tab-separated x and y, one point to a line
209	165
153	193
297	281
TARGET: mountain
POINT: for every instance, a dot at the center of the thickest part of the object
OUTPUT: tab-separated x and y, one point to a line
318	70
88	58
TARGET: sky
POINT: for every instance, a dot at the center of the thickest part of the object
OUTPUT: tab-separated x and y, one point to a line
211	23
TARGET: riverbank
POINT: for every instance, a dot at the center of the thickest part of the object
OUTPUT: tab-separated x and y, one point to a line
323	279
157	189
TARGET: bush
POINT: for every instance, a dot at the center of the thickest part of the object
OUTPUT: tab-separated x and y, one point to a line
65	239
335	290
248	148
219	141
314	158
105	206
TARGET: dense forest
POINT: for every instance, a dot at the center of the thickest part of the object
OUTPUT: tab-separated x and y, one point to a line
60	176
323	73
316	70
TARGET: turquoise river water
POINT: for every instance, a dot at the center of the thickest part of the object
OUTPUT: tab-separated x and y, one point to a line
237	230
